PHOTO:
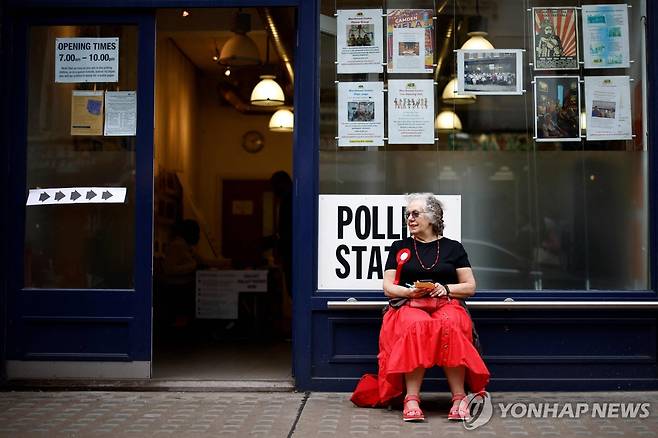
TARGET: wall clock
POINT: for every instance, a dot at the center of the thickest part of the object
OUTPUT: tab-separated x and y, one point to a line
253	141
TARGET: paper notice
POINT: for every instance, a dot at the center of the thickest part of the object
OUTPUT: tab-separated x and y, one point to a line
86	112
120	113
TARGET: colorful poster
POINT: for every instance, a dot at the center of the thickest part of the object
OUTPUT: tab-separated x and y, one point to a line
605	36
359	41
497	71
361	114
557	108
410	111
410	41
608	106
86	112
356	231
555	38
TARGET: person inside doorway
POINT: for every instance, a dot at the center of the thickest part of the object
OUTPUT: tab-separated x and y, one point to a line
281	240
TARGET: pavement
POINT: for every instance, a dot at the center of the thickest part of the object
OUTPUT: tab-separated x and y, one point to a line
315	414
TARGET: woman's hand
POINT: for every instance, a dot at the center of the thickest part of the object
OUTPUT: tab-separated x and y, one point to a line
438	291
414	292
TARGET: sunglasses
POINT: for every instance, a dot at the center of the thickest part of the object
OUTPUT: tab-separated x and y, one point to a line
414	213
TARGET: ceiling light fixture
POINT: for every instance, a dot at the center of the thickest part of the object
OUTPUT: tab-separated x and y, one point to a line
267	92
185	13
282	121
447	121
240	49
477	31
451	96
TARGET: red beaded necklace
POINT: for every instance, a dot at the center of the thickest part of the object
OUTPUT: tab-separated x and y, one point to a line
436	260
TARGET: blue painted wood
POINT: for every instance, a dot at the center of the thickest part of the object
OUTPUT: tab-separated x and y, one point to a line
652	102
305	174
81	324
150	3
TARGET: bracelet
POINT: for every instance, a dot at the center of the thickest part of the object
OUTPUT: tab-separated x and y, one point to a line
447	290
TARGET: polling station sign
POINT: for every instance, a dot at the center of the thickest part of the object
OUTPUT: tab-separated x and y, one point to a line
355	234
86	60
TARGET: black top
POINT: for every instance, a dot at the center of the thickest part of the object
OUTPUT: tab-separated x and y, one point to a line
451	257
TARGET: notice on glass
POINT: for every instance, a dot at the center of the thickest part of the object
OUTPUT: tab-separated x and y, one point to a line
86	112
410	111
86	60
608	106
605	36
359	41
555	38
361	114
410	40
120	113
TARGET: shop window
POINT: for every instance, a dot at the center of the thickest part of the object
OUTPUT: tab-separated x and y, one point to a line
545	204
70	244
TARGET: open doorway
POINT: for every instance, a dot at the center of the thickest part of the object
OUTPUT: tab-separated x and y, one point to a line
222	219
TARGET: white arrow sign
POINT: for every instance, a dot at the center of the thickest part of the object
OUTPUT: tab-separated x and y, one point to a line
77	195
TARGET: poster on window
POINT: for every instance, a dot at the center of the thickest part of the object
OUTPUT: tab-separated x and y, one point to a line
605	36
359	41
410	41
86	112
497	71
356	231
411	111
361	114
555	38
557	108
608	106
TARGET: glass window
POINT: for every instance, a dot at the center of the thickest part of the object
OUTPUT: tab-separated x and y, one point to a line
566	215
77	245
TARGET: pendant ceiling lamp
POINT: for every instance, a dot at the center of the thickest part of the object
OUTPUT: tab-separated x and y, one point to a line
447	121
477	31
282	121
267	92
240	49
451	96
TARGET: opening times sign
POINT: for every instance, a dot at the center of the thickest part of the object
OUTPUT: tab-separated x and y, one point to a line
356	232
86	60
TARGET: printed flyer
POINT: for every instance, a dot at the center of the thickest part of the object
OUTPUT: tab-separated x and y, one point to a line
359	41
410	41
557	108
410	111
605	36
555	38
608	106
361	114
86	112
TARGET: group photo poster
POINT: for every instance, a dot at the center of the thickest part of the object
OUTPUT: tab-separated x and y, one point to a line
608	107
410	41
410	111
557	108
359	41
605	36
555	38
360	114
355	234
496	71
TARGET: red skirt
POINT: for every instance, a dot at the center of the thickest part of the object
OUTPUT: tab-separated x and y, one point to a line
411	338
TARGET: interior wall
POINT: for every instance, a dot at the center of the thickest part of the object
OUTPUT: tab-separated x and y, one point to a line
200	138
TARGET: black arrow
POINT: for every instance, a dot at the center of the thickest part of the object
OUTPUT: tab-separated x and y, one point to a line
59	195
44	196
106	195
90	194
75	195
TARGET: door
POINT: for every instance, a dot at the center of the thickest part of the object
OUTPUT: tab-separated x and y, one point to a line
80	254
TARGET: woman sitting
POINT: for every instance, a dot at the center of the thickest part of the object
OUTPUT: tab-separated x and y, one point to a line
414	338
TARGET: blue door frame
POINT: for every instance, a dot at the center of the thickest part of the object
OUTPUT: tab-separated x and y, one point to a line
110	325
323	340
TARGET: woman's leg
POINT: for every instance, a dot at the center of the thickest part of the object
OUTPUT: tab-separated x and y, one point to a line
413	380
455	376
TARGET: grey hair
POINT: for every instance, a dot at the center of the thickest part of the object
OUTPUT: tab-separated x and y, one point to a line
433	209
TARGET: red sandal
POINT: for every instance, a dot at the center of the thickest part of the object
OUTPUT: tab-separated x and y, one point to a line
413	414
461	411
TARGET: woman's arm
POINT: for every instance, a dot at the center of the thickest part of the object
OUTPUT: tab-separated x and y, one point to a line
392	290
466	286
